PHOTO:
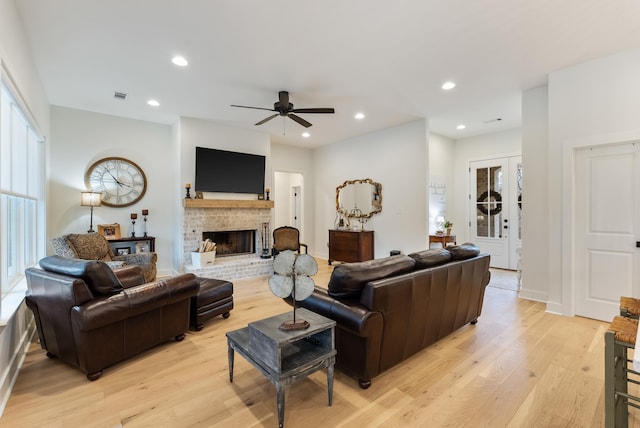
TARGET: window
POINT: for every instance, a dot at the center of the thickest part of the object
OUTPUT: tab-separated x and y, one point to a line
21	192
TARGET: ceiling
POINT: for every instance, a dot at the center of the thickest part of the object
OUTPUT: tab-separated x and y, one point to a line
385	59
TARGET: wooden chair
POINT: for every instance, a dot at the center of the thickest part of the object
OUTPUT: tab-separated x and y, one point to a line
287	238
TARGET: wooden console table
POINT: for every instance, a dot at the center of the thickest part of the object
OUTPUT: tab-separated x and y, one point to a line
350	246
286	356
442	239
142	244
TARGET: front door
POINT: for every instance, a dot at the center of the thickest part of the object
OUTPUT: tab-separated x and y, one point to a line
496	209
606	229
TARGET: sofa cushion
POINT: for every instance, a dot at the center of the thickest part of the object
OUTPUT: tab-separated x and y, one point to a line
348	279
428	258
97	275
90	246
463	251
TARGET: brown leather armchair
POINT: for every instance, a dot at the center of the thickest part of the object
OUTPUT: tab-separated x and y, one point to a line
91	316
93	246
287	238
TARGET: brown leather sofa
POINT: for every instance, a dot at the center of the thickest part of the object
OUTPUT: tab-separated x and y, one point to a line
91	316
388	309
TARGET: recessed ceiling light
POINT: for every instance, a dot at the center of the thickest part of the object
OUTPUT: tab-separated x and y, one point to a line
461	126
359	116
306	134
179	61
153	103
448	85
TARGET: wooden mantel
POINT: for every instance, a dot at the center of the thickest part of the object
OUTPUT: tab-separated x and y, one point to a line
226	203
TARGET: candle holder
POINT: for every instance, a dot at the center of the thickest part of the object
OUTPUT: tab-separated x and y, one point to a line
134	216
145	213
267	191
188	189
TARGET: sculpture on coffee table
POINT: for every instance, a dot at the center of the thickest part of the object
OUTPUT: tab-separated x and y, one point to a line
292	277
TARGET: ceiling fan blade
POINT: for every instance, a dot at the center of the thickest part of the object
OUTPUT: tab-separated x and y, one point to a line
284	98
266	119
313	110
256	108
300	120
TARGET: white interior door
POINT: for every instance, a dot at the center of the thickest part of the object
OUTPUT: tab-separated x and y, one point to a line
495	209
606	228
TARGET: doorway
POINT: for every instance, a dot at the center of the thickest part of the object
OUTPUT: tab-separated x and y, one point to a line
495	204
288	197
606	228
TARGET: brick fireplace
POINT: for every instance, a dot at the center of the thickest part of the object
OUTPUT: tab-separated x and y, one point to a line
205	215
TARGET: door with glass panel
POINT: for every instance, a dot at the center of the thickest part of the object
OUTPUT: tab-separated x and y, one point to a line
496	209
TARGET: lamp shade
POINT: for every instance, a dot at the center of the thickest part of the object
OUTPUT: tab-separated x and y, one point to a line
90	199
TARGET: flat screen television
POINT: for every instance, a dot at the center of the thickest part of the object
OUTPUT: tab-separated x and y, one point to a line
229	172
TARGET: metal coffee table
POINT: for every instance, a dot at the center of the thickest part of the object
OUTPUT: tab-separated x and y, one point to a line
286	356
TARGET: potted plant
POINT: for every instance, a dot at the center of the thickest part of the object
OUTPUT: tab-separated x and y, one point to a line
448	226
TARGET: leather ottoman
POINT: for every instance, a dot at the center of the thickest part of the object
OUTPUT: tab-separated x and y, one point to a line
214	298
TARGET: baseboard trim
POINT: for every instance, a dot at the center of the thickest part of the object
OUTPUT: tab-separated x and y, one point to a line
12	370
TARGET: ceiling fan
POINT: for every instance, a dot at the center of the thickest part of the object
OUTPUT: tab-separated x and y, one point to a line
284	108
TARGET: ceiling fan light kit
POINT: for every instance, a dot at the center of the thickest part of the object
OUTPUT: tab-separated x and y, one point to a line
284	108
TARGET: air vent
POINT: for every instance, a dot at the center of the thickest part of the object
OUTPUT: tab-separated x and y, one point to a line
120	95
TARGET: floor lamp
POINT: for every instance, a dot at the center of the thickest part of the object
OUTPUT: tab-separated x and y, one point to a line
91	199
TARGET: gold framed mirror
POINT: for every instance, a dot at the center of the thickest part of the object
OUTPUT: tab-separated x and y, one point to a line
359	198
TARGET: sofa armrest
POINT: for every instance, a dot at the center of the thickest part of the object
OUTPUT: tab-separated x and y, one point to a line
130	275
347	314
133	301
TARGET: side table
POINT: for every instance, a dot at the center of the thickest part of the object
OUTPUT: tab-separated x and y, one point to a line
283	357
442	239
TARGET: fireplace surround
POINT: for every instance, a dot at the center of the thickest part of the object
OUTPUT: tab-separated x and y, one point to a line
226	216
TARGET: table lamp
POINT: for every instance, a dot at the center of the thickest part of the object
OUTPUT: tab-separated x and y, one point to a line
90	199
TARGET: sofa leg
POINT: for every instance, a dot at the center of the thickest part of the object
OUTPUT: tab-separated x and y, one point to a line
50	355
94	376
364	384
474	322
180	337
199	326
226	315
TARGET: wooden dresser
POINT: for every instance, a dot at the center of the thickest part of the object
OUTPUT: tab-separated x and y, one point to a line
350	246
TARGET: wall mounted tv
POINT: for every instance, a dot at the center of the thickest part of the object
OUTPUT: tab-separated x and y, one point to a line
229	172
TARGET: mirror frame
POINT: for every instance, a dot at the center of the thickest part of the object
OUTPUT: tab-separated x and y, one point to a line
348	182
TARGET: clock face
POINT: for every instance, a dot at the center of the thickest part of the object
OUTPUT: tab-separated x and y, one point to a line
121	182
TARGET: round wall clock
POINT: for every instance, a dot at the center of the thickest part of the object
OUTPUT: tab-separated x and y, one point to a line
121	181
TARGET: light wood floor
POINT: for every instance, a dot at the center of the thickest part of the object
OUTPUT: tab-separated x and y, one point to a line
518	367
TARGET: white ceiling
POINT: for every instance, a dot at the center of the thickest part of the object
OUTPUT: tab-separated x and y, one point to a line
387	59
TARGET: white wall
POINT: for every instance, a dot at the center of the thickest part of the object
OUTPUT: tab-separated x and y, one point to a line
78	139
535	185
441	189
19	67
395	157
597	102
487	146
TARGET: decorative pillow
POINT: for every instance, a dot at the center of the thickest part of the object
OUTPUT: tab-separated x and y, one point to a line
348	279
90	246
63	247
428	258
463	251
97	275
